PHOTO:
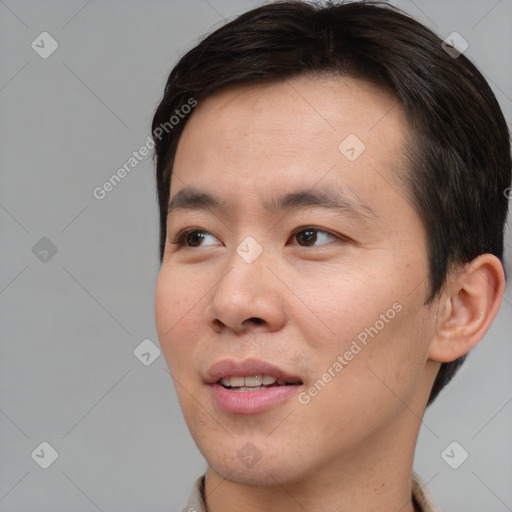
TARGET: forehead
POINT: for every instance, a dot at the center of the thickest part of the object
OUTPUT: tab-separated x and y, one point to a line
257	138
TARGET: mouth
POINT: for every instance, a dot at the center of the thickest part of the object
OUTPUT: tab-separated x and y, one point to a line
249	373
250	386
253	382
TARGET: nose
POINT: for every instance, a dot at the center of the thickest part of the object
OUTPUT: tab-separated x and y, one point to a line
247	297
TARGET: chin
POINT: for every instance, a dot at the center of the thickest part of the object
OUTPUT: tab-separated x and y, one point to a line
260	476
248	467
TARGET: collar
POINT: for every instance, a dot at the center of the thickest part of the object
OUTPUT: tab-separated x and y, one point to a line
421	495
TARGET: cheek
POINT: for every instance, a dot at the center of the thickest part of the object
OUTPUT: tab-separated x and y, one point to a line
376	363
343	302
176	309
372	336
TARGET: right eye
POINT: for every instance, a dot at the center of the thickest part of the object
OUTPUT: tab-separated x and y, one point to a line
192	237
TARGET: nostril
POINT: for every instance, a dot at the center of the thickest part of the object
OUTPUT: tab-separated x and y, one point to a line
217	326
256	320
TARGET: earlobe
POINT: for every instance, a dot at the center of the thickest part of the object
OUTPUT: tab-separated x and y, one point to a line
468	305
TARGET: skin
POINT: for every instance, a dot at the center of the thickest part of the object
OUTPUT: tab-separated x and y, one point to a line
301	303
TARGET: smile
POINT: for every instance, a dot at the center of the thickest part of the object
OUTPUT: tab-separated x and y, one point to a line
251	382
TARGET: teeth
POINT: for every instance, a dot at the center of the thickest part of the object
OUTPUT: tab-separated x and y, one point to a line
254	388
237	381
250	381
225	381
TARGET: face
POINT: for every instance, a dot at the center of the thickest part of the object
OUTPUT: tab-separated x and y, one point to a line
293	253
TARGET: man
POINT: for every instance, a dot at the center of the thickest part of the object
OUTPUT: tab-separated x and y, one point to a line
332	210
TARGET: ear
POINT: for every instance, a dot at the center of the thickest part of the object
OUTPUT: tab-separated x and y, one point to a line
468	305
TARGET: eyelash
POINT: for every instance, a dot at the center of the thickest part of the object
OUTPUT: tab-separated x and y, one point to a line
180	238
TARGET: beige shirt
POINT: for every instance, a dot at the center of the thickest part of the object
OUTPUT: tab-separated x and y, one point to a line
420	494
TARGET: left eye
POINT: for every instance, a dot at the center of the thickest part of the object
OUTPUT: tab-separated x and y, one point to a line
309	237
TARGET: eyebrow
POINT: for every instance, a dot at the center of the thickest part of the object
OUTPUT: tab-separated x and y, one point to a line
189	198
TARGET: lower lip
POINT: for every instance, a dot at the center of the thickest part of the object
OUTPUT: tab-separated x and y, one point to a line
251	402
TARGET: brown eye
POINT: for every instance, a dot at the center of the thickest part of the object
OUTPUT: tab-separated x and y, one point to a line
306	237
313	237
194	238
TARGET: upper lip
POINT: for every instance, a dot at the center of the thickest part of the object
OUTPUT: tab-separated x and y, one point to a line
230	367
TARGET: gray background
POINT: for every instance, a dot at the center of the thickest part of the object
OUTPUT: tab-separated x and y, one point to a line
70	324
